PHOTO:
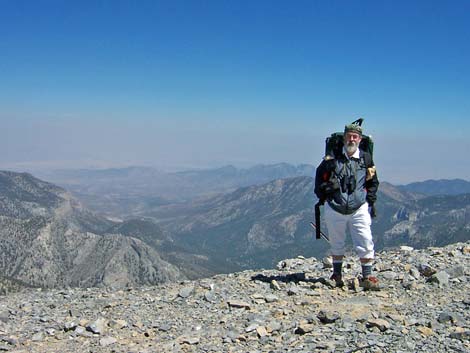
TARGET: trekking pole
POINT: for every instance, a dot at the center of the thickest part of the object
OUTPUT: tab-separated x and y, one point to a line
317	224
317	220
321	233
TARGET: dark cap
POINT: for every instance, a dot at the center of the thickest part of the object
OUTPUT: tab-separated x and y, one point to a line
353	128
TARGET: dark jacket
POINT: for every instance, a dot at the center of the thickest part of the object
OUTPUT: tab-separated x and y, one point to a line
342	182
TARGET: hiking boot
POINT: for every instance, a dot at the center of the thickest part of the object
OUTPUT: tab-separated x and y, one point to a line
370	283
337	279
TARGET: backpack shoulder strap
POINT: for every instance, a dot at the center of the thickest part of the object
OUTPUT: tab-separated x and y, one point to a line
367	159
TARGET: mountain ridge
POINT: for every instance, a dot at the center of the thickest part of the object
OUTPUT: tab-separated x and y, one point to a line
255	226
48	239
439	187
122	193
249	227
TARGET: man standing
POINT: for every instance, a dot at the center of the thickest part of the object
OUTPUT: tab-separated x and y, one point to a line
348	183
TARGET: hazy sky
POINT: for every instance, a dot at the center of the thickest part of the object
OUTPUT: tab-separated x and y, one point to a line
207	83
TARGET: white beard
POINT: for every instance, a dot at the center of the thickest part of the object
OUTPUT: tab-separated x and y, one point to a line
351	147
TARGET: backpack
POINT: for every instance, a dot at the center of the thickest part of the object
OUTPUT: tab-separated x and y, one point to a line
333	148
334	144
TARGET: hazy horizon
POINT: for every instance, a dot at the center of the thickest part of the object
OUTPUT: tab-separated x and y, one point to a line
42	170
189	84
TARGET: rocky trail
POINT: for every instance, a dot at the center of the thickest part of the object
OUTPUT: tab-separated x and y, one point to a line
423	307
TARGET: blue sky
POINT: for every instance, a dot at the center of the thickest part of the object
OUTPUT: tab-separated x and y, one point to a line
178	84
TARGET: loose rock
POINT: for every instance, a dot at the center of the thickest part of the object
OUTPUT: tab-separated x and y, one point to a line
275	310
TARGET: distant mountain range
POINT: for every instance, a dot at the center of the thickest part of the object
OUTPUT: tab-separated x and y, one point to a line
126	192
123	191
259	225
47	238
439	187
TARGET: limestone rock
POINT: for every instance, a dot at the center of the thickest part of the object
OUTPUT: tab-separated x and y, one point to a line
249	315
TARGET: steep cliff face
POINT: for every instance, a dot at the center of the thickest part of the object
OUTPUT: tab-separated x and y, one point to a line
48	239
432	221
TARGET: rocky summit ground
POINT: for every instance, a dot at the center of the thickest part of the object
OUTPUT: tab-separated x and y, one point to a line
423	307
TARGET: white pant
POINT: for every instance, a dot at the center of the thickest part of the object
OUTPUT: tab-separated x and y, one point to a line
358	224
